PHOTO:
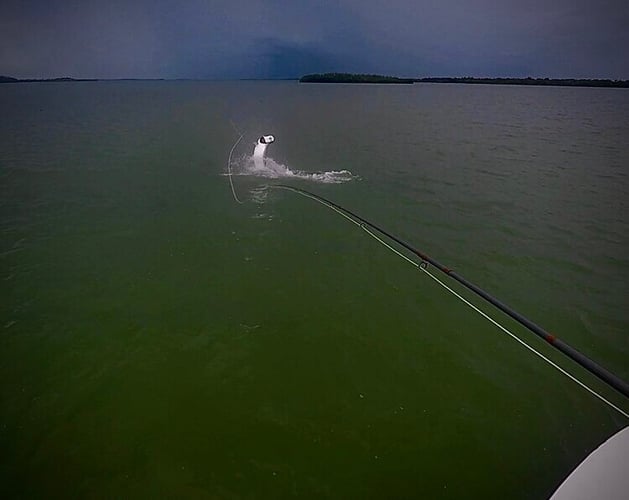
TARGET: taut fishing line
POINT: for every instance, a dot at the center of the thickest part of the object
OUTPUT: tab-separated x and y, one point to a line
369	228
365	226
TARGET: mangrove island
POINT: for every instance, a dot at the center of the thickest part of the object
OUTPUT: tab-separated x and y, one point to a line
556	82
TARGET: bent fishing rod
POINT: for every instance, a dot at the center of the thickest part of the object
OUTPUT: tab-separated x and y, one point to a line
594	368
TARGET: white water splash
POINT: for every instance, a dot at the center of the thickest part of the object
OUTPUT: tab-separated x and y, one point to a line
271	169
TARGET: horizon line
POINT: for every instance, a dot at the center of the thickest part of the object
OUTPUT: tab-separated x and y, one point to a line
9	79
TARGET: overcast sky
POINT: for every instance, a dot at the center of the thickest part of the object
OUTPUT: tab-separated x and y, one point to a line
288	38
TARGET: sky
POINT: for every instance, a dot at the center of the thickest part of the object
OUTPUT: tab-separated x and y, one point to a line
231	39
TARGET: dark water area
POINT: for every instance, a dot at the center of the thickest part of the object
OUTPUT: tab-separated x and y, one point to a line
159	339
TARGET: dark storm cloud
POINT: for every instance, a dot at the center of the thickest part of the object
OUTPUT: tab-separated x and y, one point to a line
282	38
76	38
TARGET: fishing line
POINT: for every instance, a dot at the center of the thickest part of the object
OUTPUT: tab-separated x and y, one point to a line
366	225
229	166
494	322
234	126
608	377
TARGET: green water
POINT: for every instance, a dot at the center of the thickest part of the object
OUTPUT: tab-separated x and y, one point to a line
157	339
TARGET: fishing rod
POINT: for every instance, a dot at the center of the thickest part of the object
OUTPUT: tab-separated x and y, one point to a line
594	368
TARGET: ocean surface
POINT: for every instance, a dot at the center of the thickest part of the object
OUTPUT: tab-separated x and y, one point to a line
160	339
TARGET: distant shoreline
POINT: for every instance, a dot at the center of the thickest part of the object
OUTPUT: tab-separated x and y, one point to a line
353	78
549	82
10	79
364	79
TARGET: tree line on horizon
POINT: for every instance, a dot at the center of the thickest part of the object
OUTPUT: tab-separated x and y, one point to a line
351	78
10	79
373	78
564	82
368	78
